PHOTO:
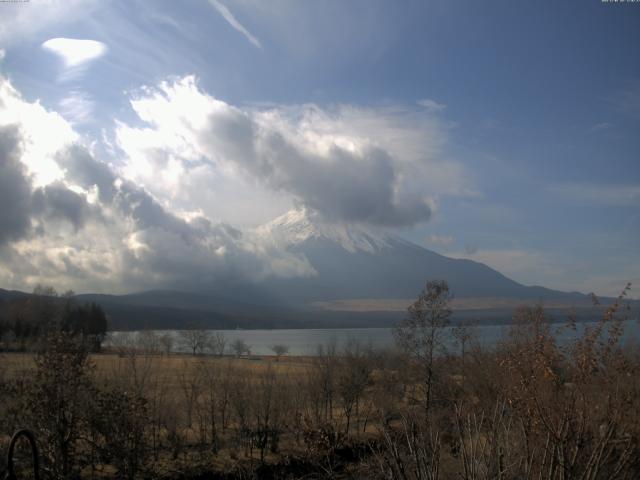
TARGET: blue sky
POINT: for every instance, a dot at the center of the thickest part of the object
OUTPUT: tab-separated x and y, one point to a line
509	128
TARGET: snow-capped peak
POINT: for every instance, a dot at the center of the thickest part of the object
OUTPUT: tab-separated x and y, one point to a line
299	225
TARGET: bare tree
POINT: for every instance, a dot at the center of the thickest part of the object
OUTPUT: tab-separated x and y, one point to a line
213	401
322	381
195	339
122	342
217	344
270	404
159	407
132	371
190	381
240	347
462	334
166	342
420	333
353	377
279	350
148	342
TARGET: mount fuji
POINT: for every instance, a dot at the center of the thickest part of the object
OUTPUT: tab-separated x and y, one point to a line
346	276
352	263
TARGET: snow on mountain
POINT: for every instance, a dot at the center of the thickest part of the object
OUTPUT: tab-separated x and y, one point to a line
352	262
298	226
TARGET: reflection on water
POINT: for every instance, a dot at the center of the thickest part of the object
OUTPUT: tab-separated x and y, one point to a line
307	341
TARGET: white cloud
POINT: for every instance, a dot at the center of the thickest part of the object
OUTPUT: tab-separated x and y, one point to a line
75	52
151	223
44	133
21	20
228	16
80	225
372	165
431	105
602	126
77	107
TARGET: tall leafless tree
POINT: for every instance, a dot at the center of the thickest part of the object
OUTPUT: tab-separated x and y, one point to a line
420	333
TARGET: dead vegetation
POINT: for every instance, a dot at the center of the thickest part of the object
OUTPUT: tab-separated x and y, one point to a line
532	408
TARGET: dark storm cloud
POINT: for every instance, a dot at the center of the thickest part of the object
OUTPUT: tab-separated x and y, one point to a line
176	252
15	188
346	186
20	203
56	201
131	200
82	168
142	245
341	185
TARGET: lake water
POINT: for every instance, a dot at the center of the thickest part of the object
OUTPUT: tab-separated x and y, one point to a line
307	341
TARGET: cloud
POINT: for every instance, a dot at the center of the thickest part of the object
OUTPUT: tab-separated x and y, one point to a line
24	206
58	202
376	166
441	240
77	107
88	228
15	188
75	52
20	22
341	185
602	126
231	20
31	187
143	220
76	56
431	105
123	239
42	134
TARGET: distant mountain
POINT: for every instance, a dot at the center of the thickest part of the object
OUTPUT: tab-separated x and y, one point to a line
10	295
352	263
355	278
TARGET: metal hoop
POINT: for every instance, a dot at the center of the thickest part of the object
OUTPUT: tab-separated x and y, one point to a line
11	474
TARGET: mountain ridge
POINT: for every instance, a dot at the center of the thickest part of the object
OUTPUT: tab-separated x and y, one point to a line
355	271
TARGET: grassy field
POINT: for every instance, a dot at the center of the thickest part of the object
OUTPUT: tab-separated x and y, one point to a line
531	408
176	387
15	364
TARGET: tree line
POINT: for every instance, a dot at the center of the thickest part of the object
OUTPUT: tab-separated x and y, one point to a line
26	322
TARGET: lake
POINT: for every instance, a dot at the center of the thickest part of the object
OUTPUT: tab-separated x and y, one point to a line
307	341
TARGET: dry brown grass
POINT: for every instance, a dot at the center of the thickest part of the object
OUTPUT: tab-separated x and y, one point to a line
15	364
529	409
